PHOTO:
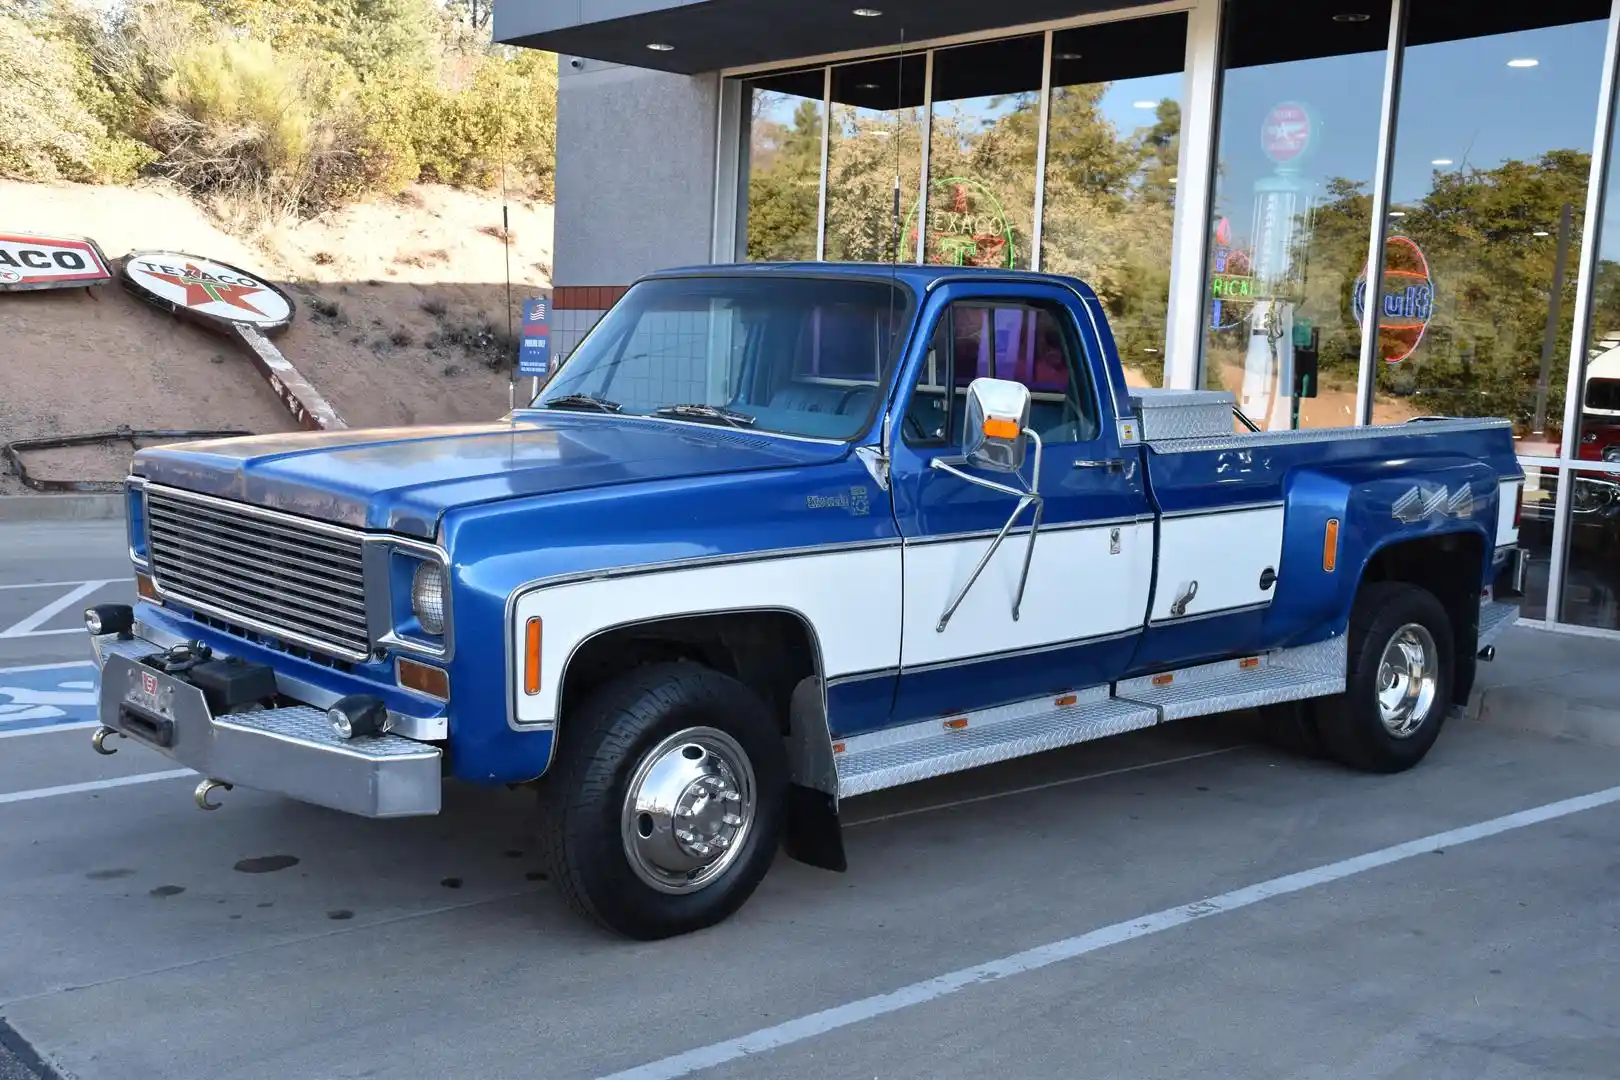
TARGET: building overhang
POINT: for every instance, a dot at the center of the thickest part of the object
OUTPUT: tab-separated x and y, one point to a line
696	36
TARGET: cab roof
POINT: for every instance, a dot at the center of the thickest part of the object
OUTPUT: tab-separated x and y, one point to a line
920	278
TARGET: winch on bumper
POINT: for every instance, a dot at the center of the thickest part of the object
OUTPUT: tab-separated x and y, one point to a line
291	750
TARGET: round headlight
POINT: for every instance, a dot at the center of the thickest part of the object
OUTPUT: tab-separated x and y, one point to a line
427	597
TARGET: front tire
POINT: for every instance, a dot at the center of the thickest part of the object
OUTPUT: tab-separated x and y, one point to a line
1398	688
664	809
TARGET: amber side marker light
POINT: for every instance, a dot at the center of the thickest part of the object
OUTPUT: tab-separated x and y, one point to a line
957	724
424	679
531	657
145	589
1001	429
1330	546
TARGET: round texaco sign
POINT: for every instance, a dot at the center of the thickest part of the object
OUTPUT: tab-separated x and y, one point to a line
207	291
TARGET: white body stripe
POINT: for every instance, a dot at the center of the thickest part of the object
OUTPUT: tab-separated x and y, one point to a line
851	599
1077	589
1224	553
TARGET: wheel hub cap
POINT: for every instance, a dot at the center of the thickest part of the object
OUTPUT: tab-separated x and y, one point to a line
1407	680
688	810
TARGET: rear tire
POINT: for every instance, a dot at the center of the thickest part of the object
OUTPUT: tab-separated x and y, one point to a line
664	808
1398	686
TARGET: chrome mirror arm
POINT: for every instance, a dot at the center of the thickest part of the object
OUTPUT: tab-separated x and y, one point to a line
1029	496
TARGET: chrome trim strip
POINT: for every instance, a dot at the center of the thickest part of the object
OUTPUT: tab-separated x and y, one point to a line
864	676
1270	504
1013	654
1241	609
1020	530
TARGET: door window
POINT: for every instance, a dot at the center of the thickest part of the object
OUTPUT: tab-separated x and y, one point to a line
1031	343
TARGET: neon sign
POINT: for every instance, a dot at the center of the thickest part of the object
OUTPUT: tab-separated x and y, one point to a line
1407	301
966	226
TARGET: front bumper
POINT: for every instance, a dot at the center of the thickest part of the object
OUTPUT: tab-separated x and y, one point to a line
291	751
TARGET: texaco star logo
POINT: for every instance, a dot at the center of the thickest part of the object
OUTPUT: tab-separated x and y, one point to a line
202	289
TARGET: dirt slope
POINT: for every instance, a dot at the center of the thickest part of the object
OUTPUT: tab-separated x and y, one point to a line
401	315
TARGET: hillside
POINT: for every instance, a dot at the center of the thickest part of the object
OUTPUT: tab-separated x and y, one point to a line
400	317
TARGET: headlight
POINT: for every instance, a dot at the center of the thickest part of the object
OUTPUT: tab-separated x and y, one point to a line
427	597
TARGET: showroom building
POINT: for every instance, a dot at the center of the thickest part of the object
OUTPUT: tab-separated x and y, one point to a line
1222	172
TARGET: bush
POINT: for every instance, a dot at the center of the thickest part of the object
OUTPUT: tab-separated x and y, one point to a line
286	104
49	127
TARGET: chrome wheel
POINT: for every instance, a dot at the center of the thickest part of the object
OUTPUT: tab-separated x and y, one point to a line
1408	678
688	810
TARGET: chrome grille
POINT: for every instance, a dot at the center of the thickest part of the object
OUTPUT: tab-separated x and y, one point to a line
272	573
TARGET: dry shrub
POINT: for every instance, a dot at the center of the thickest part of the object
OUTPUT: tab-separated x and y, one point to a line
49	127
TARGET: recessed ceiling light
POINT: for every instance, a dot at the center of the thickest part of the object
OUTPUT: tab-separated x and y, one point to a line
1524	62
1441	161
1541	232
866	86
1172	179
1068	56
868	12
1397	213
659	46
1351	17
1145	104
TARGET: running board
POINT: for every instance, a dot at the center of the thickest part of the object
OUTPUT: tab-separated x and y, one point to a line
885	759
1249	683
930	748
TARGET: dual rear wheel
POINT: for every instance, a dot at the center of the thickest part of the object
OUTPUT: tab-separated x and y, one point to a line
1398	687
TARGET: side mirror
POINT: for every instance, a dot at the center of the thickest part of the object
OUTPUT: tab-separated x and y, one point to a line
993	425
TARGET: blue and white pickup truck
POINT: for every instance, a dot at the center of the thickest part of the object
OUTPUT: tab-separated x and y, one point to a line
779	535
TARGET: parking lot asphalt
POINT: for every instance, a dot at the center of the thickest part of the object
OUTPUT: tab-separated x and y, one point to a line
1180	902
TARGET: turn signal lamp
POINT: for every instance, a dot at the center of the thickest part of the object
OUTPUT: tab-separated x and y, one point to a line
531	657
1330	546
1000	429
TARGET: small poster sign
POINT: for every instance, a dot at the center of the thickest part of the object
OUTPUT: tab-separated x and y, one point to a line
534	341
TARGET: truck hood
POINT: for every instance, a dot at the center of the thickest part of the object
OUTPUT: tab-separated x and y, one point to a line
403	479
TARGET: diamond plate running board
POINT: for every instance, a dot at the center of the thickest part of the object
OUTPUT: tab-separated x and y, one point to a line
921	751
1248	683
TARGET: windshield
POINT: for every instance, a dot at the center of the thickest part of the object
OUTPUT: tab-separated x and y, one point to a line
796	356
1603	395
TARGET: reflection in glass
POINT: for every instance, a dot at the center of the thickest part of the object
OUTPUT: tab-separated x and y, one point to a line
874	151
1535	534
981	155
1113	136
1298	146
1492	153
782	164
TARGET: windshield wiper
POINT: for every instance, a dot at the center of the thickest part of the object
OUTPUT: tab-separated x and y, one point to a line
705	412
582	401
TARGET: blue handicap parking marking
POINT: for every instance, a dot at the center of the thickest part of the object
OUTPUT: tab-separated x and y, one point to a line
36	698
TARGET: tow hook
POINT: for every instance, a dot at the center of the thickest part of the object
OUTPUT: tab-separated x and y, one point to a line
207	788
99	740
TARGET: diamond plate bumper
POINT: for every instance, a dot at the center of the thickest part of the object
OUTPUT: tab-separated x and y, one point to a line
290	751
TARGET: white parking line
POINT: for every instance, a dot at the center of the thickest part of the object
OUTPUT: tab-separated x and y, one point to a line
53	584
30	626
92	785
50	729
49	667
841	1016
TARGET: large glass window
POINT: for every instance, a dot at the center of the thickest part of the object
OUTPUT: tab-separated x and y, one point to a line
1113	137
874	154
983	138
1492	153
782	164
1298	145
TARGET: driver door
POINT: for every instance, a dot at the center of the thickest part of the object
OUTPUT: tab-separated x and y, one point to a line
1091	566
